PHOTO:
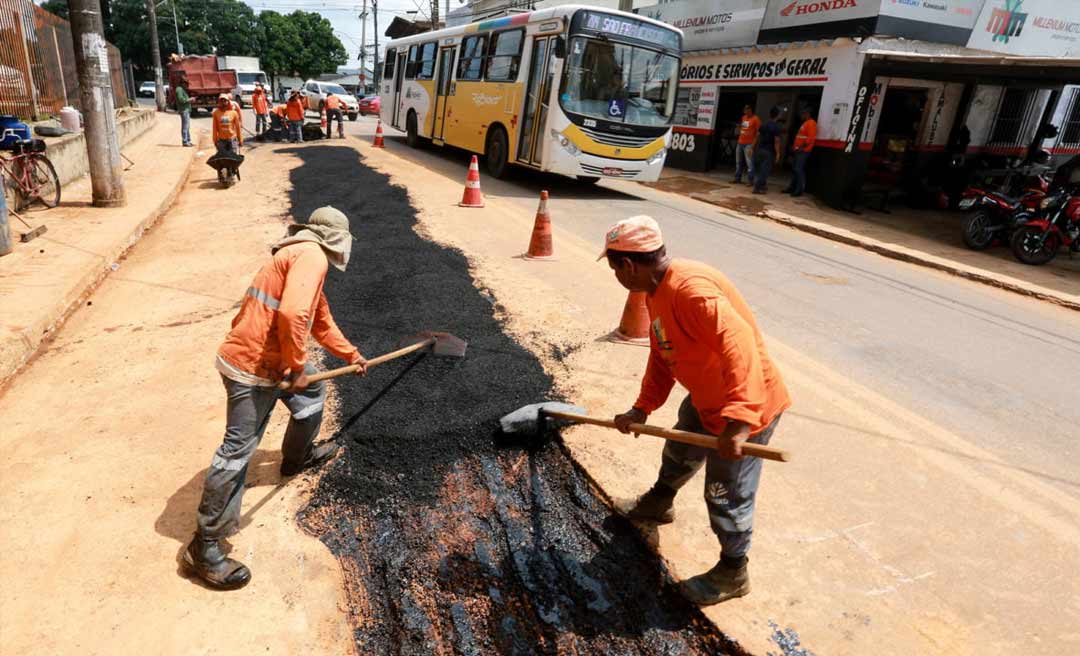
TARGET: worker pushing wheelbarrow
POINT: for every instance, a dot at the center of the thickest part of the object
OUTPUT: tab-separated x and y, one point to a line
228	139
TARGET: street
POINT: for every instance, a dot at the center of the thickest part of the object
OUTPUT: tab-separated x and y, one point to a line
930	505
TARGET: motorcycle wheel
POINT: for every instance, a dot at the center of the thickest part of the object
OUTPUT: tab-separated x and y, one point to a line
1029	247
977	233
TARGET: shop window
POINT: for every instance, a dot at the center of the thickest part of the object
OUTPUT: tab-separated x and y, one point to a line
504	55
471	63
1011	115
388	65
1070	133
410	67
425	66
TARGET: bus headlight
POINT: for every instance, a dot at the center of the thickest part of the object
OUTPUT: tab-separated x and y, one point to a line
658	156
568	146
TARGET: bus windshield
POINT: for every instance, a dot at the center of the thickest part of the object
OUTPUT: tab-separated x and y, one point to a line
619	82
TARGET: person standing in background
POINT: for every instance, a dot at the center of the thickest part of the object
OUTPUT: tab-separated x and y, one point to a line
744	150
183	107
804	144
294	112
767	150
261	106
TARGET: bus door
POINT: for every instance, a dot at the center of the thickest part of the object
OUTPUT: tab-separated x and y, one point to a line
399	75
536	101
442	91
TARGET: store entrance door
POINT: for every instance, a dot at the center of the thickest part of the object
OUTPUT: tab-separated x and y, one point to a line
894	151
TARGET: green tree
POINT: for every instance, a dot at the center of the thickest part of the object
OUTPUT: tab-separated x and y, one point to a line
279	41
322	52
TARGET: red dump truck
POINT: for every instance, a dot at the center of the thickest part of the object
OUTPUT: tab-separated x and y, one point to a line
205	80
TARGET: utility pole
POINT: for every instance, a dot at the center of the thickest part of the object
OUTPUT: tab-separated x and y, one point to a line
176	28
434	15
363	49
376	73
155	54
95	92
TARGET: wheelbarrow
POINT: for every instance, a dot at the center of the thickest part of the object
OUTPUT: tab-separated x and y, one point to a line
227	164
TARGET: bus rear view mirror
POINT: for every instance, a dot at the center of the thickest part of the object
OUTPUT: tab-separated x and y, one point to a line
560	47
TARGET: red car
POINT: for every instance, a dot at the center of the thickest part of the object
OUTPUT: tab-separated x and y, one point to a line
370	105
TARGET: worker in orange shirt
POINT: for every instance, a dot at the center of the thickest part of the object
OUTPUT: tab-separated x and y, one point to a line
260	104
804	145
294	113
267	344
744	150
278	122
228	137
333	110
704	336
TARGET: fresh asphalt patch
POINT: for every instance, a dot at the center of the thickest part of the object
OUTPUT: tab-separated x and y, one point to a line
451	541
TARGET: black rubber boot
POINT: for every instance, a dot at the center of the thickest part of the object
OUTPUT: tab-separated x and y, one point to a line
717	585
318	456
204	559
656	505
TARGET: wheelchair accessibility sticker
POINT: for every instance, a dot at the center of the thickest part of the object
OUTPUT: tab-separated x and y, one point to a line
617	108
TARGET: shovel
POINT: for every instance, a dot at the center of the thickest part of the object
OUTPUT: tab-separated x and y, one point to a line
442	344
531	419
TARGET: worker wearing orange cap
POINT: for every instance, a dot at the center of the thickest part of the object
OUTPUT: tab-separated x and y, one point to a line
294	112
228	136
261	106
704	336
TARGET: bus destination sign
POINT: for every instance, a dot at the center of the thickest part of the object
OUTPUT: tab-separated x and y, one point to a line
631	29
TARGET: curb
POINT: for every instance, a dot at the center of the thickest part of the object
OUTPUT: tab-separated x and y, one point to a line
29	342
920	258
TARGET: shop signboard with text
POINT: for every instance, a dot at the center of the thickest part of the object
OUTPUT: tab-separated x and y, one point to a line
1048	28
800	20
937	21
709	24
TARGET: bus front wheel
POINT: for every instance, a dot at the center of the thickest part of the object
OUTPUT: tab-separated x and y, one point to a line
495	153
411	136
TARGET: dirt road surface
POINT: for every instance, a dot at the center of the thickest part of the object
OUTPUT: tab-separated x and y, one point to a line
108	435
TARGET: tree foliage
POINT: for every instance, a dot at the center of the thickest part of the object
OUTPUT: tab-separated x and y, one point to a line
300	43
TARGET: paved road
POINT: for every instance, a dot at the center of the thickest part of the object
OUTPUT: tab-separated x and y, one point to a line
997	369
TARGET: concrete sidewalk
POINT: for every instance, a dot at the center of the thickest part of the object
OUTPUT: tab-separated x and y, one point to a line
924	237
43	281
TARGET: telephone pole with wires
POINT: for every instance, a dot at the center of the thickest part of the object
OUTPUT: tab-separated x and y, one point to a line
363	48
375	68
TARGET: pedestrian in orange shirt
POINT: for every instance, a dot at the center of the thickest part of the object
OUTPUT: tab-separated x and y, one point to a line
278	123
267	344
704	336
804	144
333	111
228	138
261	106
744	150
294	112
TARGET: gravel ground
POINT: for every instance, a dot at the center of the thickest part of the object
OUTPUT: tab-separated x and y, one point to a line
452	539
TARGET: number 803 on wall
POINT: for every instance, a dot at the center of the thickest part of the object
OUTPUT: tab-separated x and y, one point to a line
683	142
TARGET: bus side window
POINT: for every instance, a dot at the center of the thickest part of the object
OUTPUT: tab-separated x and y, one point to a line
471	61
410	67
425	69
388	65
504	55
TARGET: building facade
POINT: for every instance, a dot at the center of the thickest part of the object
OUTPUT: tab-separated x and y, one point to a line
895	85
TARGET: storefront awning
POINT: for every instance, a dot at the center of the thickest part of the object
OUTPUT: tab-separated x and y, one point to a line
945	61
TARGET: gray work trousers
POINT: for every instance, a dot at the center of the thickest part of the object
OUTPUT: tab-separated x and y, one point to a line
247	415
730	485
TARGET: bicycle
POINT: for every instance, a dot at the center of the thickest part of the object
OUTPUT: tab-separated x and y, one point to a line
32	175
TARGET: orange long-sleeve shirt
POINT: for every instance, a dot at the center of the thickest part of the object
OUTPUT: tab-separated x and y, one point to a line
806	136
227	125
259	103
284	302
294	109
704	336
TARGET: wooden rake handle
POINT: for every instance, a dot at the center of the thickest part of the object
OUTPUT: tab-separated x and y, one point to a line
352	368
697	439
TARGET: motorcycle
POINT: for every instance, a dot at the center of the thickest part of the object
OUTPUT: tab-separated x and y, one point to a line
1056	224
995	215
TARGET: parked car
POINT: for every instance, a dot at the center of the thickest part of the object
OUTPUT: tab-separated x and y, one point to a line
146	89
314	94
370	105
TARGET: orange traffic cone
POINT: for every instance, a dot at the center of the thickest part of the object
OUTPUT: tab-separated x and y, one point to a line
472	196
378	136
540	246
634	325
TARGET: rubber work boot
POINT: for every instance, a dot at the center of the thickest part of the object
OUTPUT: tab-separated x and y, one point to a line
656	505
204	559
716	585
318	456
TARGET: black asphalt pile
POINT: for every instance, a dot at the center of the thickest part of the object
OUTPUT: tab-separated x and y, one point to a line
452	541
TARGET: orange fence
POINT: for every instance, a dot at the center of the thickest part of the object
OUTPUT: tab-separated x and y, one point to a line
37	63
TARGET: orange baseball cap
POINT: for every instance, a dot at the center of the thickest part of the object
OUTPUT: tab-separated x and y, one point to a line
638	234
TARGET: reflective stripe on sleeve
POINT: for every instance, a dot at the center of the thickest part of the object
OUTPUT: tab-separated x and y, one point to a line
264	298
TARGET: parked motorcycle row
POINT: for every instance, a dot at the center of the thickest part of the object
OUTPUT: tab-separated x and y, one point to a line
1040	218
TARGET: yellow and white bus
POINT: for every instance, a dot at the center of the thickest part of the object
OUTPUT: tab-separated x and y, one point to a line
574	90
